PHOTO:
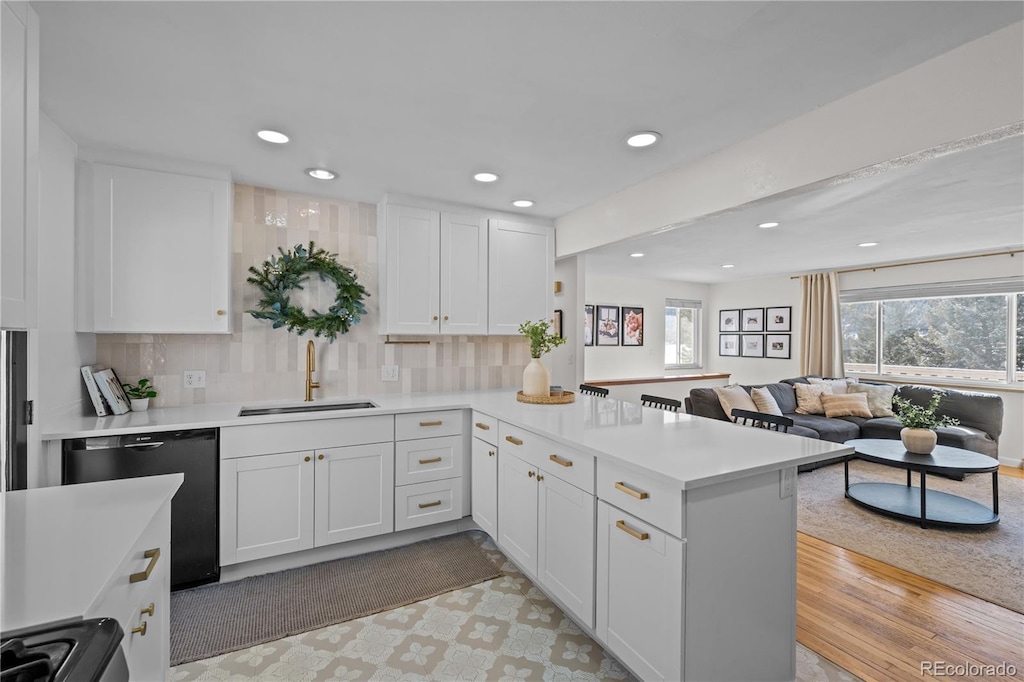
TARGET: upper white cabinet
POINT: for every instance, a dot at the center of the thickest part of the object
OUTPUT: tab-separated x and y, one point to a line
435	272
521	267
161	251
19	164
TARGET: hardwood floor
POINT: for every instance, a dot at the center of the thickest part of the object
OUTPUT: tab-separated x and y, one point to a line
881	623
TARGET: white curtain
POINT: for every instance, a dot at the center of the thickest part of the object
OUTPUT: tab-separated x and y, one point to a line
821	338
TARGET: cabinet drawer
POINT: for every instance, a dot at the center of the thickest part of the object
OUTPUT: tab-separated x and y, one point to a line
641	495
523	444
428	424
566	463
422	504
266	439
428	459
485	428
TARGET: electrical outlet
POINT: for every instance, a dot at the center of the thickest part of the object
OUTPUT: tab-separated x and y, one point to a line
787	482
389	372
195	378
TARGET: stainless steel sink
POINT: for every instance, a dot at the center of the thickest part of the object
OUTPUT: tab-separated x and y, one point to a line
313	407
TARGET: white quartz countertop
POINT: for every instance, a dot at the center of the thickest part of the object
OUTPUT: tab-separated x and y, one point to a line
681	449
61	545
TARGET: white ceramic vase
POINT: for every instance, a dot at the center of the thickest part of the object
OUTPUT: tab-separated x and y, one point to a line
919	441
536	379
139	404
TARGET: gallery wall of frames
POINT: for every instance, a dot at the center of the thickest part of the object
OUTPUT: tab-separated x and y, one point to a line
612	325
755	332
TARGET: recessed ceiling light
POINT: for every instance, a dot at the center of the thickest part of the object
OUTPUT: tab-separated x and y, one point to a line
522	203
272	136
636	255
767	225
644	139
728	265
485	177
868	244
321	173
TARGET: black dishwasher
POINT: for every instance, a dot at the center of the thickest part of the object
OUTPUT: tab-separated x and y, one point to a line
194	529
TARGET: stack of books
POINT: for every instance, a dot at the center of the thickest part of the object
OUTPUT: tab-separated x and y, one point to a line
108	397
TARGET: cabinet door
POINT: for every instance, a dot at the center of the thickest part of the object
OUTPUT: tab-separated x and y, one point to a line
517	511
463	274
19	164
485	486
148	652
411	296
355	492
162	252
521	267
640	594
565	546
428	459
266	506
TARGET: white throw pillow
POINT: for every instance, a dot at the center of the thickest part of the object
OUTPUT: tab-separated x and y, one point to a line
734	397
839	386
765	401
808	398
879	398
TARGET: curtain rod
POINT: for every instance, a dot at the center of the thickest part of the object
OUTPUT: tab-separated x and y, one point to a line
923	262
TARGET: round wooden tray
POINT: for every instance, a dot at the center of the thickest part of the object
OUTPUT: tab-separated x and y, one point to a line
564	399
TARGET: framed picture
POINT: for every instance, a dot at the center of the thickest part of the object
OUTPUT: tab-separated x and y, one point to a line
752	320
777	319
607	325
752	345
776	346
556	324
729	344
588	325
632	326
729	320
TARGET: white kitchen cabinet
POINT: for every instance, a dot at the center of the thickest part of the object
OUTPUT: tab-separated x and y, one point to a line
565	545
485	486
354	493
517	511
435	271
521	267
640	608
161	251
19	164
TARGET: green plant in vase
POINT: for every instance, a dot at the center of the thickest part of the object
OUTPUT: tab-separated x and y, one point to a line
919	423
139	394
536	378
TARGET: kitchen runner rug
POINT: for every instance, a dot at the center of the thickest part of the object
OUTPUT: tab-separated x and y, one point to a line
215	619
988	564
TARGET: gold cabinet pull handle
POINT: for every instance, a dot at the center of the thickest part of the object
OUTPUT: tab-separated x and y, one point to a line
482	426
561	460
621	525
629	491
435	503
141	630
320	456
513	440
432	460
149	610
153	555
437	423
490	453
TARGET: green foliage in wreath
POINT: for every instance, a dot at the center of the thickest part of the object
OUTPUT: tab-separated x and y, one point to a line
280	275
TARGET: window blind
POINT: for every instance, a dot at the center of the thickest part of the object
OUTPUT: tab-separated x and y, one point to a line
977	287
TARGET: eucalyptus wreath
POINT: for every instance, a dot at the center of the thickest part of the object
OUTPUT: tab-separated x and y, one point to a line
280	275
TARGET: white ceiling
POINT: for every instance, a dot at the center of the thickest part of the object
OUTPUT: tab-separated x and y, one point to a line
414	97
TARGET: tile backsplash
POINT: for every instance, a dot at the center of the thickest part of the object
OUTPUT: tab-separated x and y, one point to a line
257	362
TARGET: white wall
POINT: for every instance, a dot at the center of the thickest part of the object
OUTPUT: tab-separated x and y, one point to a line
630	362
566	361
760	293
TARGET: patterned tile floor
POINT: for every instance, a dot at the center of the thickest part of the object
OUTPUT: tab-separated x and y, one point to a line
501	629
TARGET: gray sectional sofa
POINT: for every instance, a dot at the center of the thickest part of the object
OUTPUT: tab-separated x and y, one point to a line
980	416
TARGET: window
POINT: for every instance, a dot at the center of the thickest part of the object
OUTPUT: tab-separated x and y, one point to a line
682	334
962	331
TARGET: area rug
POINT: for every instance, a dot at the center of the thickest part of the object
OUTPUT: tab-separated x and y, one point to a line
215	619
985	563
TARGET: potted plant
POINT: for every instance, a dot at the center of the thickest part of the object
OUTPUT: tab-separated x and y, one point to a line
536	379
139	394
919	423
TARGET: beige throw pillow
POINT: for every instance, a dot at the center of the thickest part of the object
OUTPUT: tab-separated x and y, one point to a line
848	405
765	401
879	398
808	398
838	385
734	397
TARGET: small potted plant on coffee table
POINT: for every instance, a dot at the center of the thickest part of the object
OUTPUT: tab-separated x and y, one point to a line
919	423
139	394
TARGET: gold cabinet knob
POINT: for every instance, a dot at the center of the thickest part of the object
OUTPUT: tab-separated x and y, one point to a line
306	458
445	318
141	630
149	610
531	474
490	453
320	456
435	318
220	313
540	477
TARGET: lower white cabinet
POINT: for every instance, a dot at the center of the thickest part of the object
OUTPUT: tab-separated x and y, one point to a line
354	493
422	504
640	609
517	511
485	486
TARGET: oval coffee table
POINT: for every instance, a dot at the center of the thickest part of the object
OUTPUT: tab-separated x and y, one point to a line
928	507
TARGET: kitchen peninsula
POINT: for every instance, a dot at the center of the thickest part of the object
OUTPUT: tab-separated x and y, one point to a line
669	538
